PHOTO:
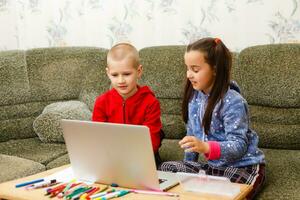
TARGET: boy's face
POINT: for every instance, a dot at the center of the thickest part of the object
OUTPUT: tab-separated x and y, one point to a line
123	76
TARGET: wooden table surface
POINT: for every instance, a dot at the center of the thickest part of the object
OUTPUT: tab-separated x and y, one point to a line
9	191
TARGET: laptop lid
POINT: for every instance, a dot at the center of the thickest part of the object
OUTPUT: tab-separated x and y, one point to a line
112	153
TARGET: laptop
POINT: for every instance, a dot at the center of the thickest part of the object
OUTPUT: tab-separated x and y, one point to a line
110	153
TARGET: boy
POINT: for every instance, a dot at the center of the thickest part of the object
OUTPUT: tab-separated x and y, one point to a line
127	102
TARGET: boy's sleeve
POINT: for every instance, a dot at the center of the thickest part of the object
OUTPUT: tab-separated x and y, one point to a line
153	122
99	113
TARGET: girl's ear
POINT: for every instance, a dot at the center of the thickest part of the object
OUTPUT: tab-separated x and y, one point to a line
140	71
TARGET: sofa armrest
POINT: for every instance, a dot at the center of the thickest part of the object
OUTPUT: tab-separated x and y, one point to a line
47	124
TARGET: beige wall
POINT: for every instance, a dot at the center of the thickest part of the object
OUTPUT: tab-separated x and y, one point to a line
101	23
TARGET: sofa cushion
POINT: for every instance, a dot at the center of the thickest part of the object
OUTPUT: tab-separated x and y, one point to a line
16	129
277	127
33	149
282	175
47	125
14	83
273	115
62	160
57	73
164	70
13	167
170	106
277	136
96	81
170	150
173	126
269	75
16	120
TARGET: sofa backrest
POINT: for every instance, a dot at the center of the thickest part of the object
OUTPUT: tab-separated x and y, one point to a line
164	72
14	83
15	118
270	74
269	78
32	79
57	73
95	81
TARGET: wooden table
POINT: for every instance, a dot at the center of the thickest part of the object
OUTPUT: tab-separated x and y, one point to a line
9	191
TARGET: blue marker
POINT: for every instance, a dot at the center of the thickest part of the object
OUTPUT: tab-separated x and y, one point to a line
29	182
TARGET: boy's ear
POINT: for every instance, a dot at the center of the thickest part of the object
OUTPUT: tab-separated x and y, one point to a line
140	71
107	70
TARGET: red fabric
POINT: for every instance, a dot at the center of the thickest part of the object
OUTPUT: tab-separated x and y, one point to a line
215	151
140	109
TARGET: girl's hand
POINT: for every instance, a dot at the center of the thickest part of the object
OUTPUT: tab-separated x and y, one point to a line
193	144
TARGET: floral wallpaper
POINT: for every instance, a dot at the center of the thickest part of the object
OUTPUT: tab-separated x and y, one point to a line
26	24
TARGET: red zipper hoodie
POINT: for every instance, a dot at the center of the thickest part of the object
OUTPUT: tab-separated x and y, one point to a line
142	108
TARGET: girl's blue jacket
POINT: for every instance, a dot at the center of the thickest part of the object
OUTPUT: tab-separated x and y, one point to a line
230	126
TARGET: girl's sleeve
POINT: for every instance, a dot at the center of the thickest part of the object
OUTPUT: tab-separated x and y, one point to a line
190	156
236	123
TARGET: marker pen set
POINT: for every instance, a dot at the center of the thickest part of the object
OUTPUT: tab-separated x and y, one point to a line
81	191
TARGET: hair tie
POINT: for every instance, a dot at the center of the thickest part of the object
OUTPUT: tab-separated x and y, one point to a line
217	40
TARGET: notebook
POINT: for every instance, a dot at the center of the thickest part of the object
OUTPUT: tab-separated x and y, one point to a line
111	153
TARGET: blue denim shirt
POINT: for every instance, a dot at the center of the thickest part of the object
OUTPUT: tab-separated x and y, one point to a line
229	127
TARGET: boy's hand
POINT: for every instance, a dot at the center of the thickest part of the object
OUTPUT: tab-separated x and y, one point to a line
193	144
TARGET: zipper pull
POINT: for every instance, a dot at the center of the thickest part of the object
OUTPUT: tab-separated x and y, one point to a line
124	116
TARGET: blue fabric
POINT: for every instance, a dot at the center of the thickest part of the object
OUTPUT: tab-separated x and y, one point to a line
229	127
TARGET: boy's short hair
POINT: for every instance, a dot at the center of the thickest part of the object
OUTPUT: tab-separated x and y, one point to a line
122	51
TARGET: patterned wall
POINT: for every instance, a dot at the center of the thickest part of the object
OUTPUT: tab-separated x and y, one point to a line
28	24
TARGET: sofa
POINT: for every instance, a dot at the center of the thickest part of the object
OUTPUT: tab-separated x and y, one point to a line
38	87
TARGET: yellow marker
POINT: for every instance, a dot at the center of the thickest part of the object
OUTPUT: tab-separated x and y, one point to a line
83	197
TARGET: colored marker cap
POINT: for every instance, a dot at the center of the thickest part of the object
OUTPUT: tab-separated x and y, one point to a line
114	185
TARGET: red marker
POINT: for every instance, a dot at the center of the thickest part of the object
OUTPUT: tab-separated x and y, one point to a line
93	191
52	190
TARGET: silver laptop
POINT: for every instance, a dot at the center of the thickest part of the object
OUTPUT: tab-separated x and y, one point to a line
110	153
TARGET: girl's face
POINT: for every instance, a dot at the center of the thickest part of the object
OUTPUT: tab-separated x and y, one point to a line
200	73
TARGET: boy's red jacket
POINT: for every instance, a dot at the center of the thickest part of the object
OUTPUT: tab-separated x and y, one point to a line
140	109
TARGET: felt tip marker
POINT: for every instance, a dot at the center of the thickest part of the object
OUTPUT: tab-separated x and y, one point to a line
29	182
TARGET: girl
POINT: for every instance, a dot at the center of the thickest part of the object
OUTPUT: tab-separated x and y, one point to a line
217	120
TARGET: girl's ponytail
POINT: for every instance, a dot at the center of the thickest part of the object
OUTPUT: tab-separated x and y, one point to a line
217	56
